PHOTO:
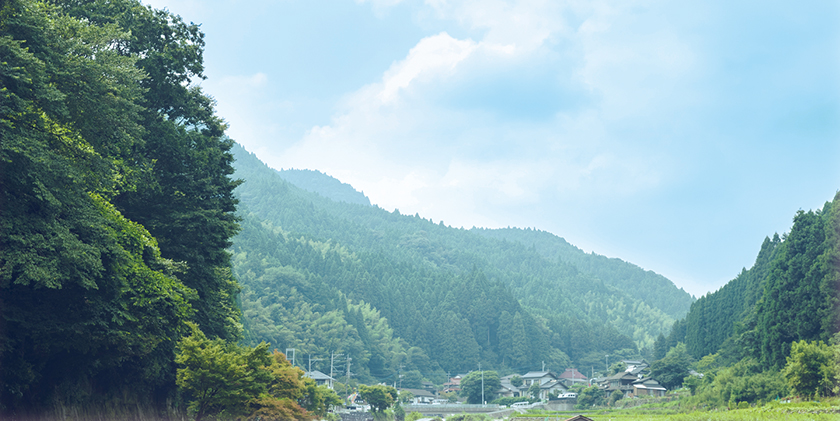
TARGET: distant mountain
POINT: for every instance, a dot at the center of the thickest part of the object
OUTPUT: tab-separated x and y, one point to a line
653	289
325	185
321	275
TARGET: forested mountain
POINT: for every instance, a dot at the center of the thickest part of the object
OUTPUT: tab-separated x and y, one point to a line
647	286
448	298
651	288
746	330
329	187
790	294
116	200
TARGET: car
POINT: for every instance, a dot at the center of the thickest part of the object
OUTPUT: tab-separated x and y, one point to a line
569	395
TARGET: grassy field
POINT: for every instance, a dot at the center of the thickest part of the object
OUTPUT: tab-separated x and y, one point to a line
817	411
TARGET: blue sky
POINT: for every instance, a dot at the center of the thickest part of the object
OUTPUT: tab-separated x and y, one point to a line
674	135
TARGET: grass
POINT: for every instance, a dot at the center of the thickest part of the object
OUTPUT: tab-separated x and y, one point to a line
828	409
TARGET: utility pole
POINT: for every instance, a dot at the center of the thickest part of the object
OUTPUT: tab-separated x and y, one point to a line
332	360
293	355
543	366
482	383
607	357
348	375
310	363
399	375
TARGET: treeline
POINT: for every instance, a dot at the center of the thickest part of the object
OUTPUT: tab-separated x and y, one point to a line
116	205
750	336
442	299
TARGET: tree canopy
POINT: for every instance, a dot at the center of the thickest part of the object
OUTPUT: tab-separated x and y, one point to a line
107	251
471	386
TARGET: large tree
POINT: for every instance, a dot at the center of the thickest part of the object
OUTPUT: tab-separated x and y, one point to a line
471	386
93	296
379	397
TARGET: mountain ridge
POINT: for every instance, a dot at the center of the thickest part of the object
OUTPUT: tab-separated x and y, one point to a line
614	271
428	283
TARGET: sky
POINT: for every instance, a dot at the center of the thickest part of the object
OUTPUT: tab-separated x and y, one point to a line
673	135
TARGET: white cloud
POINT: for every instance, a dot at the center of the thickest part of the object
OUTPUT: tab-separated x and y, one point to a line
397	142
435	55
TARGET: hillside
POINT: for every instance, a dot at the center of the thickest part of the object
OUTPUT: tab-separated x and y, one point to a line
790	294
425	283
651	288
329	187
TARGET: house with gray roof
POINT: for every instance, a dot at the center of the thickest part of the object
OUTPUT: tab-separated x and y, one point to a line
320	378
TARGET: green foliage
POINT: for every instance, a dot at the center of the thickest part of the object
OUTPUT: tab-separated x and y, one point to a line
534	391
746	381
615	396
399	413
654	290
800	299
472	382
714	318
221	376
616	368
412	379
812	369
671	370
413	416
94	298
776	314
379	397
516	381
590	397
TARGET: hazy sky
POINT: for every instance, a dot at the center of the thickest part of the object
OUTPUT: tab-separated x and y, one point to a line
672	134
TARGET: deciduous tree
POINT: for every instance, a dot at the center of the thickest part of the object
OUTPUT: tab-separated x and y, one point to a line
811	369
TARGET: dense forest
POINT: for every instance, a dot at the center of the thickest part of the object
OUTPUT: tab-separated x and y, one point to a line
744	336
117	204
322	271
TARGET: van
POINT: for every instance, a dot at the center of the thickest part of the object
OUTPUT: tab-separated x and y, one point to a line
521	405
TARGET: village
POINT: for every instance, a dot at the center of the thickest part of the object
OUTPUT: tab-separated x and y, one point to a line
546	390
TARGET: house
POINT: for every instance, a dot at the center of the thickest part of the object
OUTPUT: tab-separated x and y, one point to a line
320	378
572	376
622	381
637	368
538	377
453	385
552	388
421	396
648	387
507	389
